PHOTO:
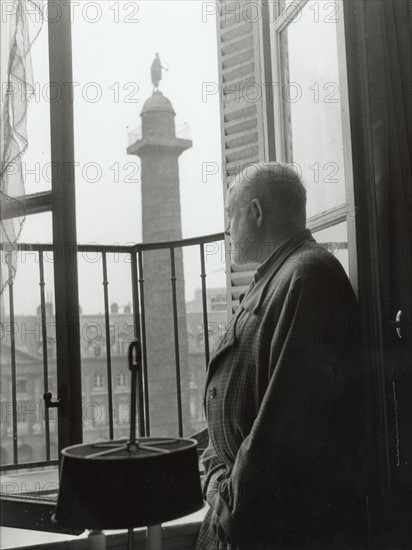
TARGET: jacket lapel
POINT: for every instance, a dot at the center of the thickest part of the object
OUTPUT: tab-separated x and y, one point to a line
227	341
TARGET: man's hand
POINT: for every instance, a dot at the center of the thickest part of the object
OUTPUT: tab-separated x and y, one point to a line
211	484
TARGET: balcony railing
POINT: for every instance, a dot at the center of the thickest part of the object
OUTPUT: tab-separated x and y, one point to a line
136	256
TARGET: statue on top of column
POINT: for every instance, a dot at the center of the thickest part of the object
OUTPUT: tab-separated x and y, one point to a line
157	72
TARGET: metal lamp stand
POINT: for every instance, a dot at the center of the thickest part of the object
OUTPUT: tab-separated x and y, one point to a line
96	539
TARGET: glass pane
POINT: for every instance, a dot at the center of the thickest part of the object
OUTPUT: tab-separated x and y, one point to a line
93	341
159	327
36	162
21	312
311	104
21	316
37	228
119	200
108	100
216	306
335	239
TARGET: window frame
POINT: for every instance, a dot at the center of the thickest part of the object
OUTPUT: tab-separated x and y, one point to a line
20	511
363	230
99	382
64	226
342	212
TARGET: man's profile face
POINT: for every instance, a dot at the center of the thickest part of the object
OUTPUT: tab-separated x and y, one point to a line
244	245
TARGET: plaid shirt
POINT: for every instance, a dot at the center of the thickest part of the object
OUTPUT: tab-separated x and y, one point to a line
281	400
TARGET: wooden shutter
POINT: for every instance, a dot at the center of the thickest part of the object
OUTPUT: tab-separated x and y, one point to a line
244	108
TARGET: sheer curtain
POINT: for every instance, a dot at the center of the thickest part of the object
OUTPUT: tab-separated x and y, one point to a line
21	22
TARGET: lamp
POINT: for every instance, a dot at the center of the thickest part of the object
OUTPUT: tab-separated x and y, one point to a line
122	485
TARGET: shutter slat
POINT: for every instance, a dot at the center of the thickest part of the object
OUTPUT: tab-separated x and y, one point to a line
238	59
244	139
245	152
243	44
239	92
247	112
233	75
236	31
232	108
250	124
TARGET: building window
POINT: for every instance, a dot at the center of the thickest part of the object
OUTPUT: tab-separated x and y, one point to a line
98	382
21	385
122	379
94	415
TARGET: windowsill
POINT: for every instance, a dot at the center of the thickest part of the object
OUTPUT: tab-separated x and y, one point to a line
42	486
11	538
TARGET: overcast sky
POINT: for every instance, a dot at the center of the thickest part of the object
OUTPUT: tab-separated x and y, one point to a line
114	44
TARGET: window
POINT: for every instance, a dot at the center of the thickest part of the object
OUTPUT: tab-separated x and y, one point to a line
21	386
299	115
311	110
26	453
119	341
97	348
4	456
306	124
52	265
98	382
335	238
122	379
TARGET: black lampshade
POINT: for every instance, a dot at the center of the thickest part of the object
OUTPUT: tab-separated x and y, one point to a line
120	489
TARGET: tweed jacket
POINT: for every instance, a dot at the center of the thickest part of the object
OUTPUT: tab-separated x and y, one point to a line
282	405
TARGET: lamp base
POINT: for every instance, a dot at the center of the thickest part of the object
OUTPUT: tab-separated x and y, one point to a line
154	537
96	540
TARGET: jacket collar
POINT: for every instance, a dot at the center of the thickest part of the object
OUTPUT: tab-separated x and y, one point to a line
254	295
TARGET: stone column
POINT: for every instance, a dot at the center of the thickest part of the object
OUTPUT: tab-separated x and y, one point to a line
159	150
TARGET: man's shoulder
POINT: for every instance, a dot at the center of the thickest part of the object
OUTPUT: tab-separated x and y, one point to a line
313	255
312	261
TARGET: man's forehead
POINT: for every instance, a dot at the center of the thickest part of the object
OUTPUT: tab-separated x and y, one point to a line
230	196
235	189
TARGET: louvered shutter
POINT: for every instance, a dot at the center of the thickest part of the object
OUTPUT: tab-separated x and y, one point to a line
243	108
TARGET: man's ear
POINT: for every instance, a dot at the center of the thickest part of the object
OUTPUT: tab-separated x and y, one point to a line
257	212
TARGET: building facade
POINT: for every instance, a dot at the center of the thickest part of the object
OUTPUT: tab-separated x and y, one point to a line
31	382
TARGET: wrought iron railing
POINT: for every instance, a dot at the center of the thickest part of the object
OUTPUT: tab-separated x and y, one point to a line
137	277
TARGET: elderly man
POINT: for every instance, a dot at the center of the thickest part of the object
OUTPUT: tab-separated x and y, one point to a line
282	468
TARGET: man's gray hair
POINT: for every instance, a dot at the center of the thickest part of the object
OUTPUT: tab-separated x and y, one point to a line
279	189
